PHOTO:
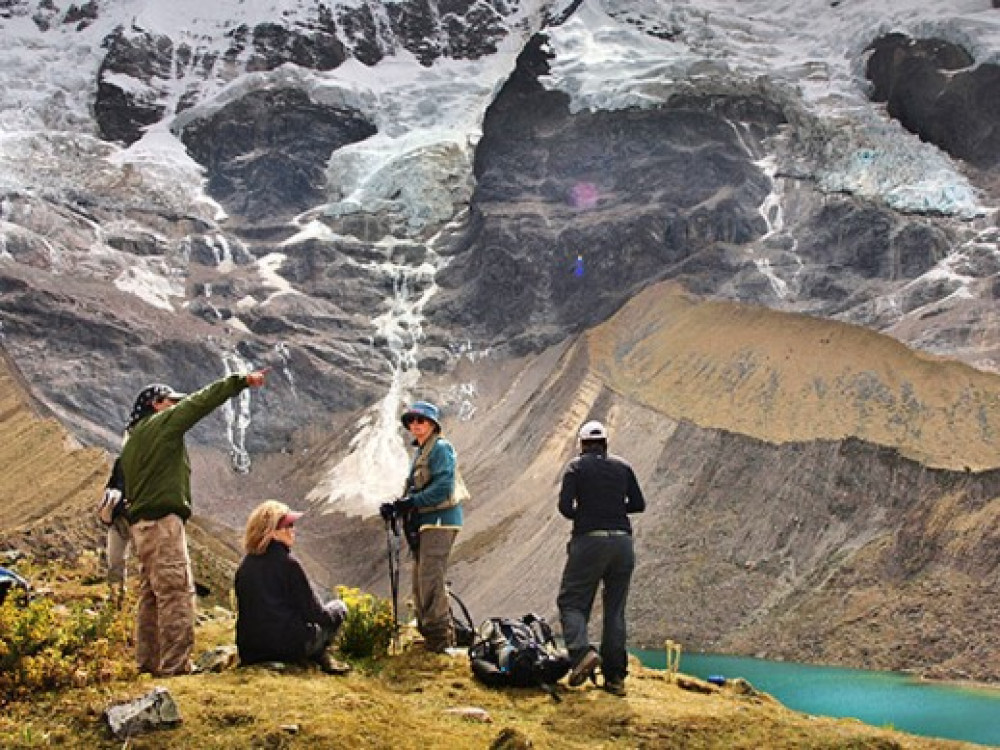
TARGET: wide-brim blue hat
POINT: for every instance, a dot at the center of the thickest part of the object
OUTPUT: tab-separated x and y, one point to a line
421	409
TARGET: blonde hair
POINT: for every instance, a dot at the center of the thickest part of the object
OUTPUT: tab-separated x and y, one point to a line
261	526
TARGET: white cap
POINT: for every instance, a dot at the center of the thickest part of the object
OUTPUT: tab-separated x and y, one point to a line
593	431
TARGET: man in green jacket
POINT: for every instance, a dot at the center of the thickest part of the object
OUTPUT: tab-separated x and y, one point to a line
157	475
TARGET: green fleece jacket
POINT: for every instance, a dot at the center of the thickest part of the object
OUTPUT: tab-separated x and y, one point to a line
154	459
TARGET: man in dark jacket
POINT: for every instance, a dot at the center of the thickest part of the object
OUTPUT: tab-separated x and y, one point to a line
598	492
279	617
157	475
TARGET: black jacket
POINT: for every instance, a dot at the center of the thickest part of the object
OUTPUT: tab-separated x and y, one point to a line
275	607
598	490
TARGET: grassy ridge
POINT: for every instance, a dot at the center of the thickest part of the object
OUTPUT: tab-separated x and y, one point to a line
783	377
44	472
415	700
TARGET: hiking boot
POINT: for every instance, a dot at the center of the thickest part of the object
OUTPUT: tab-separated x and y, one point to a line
330	665
425	647
584	669
185	668
615	686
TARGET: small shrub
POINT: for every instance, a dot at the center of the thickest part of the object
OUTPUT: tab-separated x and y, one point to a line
368	629
45	645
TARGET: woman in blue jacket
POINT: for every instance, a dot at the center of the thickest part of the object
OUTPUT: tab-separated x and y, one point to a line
434	491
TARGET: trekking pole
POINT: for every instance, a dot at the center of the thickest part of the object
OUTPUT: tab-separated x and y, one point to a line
392	542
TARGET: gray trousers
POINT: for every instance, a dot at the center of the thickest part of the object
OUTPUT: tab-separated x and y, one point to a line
593	561
322	635
430	594
117	550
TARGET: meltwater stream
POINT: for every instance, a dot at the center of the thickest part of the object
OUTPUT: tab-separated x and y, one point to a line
883	699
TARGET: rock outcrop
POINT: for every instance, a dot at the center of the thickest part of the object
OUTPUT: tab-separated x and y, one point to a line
265	153
934	88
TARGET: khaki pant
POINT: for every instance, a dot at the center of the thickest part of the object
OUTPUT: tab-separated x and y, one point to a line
430	596
164	629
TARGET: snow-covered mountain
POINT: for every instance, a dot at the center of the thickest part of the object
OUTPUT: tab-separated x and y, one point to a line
444	198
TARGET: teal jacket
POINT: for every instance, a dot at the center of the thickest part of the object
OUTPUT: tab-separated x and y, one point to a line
441	465
155	460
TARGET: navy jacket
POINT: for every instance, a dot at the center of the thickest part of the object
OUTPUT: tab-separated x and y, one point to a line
598	491
275	606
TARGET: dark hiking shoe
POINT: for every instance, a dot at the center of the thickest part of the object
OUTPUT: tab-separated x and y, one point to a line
274	666
332	666
615	687
584	669
427	647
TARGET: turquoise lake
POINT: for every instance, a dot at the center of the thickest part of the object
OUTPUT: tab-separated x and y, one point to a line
883	699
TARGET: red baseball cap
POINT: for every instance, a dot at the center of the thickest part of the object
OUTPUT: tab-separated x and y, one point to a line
289	519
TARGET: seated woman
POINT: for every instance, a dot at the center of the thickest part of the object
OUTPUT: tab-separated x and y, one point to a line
279	617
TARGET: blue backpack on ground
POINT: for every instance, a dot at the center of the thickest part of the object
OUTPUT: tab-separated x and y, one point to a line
518	653
9	581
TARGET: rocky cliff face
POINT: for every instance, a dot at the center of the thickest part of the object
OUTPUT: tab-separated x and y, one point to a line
851	555
570	210
434	198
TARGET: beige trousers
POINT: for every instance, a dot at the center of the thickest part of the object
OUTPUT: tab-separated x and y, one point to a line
164	629
430	595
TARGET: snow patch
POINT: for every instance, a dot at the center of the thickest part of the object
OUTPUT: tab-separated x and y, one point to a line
152	288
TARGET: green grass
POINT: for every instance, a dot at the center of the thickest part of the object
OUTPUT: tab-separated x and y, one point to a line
409	700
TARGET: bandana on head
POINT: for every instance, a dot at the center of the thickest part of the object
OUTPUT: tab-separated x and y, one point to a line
143	406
